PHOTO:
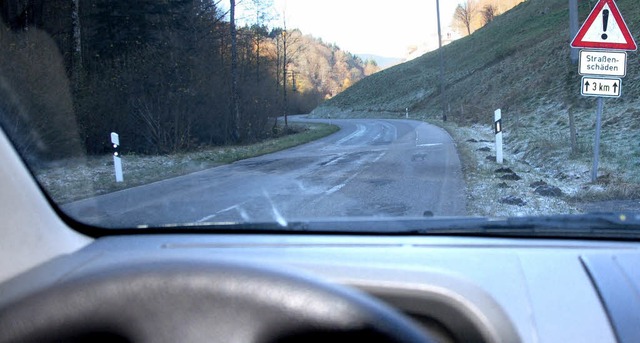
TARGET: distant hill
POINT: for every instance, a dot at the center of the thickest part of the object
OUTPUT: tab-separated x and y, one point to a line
383	62
321	70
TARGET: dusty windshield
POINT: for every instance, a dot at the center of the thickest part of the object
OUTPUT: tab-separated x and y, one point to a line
196	112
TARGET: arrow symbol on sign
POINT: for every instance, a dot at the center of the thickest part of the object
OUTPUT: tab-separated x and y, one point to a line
586	86
615	88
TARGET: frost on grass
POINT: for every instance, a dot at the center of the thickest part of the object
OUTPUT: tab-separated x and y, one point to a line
537	148
73	179
494	189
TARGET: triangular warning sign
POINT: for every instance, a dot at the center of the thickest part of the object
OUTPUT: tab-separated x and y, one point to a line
604	29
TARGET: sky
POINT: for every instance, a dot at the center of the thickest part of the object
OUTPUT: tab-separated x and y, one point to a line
380	27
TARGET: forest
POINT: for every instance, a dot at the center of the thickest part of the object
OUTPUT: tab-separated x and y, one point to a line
167	75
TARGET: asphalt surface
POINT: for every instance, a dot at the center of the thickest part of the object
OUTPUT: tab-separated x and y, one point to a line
370	168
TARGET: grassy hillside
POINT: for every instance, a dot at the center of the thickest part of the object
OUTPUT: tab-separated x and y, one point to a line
519	63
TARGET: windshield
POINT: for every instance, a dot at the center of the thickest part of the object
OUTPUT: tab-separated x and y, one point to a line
151	114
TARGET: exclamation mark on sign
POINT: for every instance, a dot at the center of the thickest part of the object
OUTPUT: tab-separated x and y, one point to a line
605	23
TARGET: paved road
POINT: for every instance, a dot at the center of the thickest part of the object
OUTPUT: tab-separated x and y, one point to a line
371	167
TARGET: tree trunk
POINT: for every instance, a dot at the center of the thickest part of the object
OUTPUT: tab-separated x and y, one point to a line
235	98
284	77
258	59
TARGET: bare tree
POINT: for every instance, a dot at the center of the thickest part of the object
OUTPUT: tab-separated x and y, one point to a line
471	15
285	64
287	47
262	11
489	12
464	15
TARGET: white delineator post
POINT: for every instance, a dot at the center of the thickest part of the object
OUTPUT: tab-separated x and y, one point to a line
117	161
498	129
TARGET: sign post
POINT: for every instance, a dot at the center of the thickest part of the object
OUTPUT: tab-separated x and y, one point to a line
117	161
606	32
596	144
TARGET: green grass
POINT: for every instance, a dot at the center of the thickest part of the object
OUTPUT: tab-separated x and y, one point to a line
76	179
517	62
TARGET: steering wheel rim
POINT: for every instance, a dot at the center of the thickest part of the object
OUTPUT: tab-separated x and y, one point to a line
187	301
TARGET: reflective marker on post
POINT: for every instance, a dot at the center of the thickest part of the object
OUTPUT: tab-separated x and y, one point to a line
117	161
498	130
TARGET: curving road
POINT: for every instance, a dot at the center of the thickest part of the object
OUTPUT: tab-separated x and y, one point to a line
371	167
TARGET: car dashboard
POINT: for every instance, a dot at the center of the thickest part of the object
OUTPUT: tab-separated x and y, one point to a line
458	289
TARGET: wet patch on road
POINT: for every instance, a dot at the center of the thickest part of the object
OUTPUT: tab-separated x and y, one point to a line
276	165
378	210
379	182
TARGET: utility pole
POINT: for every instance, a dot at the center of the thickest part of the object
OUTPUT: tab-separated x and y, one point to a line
573	31
573	27
443	96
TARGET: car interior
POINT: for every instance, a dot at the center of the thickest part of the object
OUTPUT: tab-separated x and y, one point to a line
376	279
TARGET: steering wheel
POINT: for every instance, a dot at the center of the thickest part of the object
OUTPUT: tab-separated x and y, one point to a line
186	301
